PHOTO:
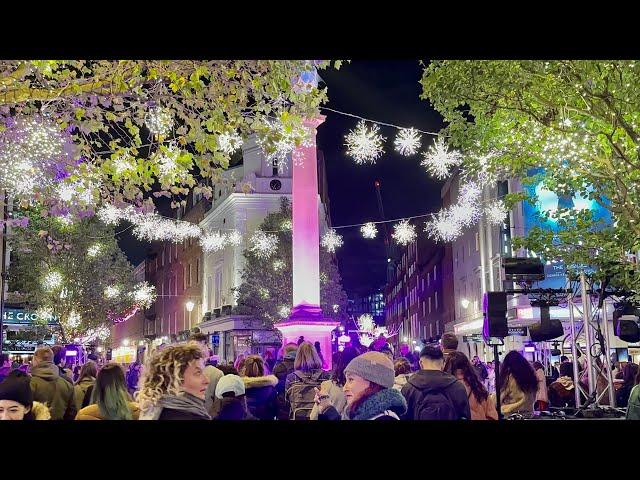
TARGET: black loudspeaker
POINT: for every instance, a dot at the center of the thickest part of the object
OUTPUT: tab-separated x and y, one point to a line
627	331
494	305
523	268
545	331
555	352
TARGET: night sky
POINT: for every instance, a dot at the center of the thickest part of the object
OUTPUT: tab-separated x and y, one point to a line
387	91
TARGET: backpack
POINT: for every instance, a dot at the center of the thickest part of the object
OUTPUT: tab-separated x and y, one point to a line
301	395
435	405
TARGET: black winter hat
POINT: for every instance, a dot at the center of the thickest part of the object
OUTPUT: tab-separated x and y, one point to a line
16	387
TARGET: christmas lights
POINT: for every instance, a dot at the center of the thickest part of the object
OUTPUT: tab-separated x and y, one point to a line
278	265
212	242
234	238
438	160
496	212
263	245
404	233
52	281
369	230
331	240
364	145
144	294
284	311
159	121
229	142
94	250
407	142
112	291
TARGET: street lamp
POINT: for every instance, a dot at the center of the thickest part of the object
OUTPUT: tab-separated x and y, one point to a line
465	303
189	306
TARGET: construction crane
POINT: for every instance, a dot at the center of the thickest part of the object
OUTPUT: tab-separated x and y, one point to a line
387	243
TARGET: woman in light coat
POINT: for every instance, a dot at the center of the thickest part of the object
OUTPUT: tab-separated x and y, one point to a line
542	396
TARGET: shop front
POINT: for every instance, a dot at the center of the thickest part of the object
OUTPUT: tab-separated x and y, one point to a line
232	335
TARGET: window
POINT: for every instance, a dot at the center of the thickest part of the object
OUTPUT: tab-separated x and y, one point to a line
477	241
429	278
190	282
469	247
197	270
434	272
175	285
429	304
169	323
436	295
175	252
431	330
162	257
423	284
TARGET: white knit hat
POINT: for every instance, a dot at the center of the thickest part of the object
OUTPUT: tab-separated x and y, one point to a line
230	383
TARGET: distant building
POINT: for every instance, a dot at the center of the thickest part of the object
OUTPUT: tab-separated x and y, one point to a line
373	304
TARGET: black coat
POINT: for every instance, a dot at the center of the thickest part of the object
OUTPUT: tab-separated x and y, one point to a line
281	370
428	381
261	396
174	414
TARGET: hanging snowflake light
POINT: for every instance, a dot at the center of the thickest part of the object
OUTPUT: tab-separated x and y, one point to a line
110	214
442	227
124	163
438	160
278	142
212	242
404	233
103	333
366	323
94	250
112	291
168	161
331	240
336	307
52	281
229	142
144	294
159	121
263	245
264	293
407	141
369	230
44	315
66	192
234	238
284	311
496	212
364	145
278	265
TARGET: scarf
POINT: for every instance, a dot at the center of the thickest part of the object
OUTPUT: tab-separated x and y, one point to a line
185	402
566	382
387	399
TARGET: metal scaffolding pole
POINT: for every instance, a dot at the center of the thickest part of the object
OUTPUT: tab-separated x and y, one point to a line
574	348
586	316
607	355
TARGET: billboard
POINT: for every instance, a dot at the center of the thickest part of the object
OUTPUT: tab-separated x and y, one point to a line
548	201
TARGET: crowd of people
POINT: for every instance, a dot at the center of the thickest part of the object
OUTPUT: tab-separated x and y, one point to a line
185	382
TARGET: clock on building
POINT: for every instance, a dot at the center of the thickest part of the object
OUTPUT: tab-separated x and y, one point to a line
275	184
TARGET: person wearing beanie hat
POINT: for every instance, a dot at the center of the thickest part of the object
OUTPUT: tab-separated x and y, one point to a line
16	399
281	370
368	389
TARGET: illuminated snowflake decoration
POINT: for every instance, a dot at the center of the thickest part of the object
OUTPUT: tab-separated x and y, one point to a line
286	226
336	307
159	121
52	281
152	227
496	212
112	291
93	334
331	240
263	245
144	294
407	142
369	230
443	228
229	142
278	265
278	142
124	163
404	233
364	145
66	192
94	250
234	238
212	242
264	293
110	214
284	311
439	161
366	323
168	161
73	320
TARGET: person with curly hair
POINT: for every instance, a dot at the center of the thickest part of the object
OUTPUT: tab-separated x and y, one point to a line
174	384
517	383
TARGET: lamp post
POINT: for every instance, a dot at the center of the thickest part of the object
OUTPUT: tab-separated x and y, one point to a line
189	306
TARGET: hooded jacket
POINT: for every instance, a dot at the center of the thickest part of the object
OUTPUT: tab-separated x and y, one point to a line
80	390
262	396
387	404
92	412
431	381
51	389
633	408
562	393
281	370
514	400
233	408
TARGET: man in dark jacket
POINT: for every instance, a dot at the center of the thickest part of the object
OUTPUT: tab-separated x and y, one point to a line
281	370
432	394
60	360
50	388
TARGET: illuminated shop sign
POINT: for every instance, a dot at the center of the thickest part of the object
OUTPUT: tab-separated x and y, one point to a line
18	316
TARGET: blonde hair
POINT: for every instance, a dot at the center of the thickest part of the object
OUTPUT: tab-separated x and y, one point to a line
307	358
44	354
164	372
